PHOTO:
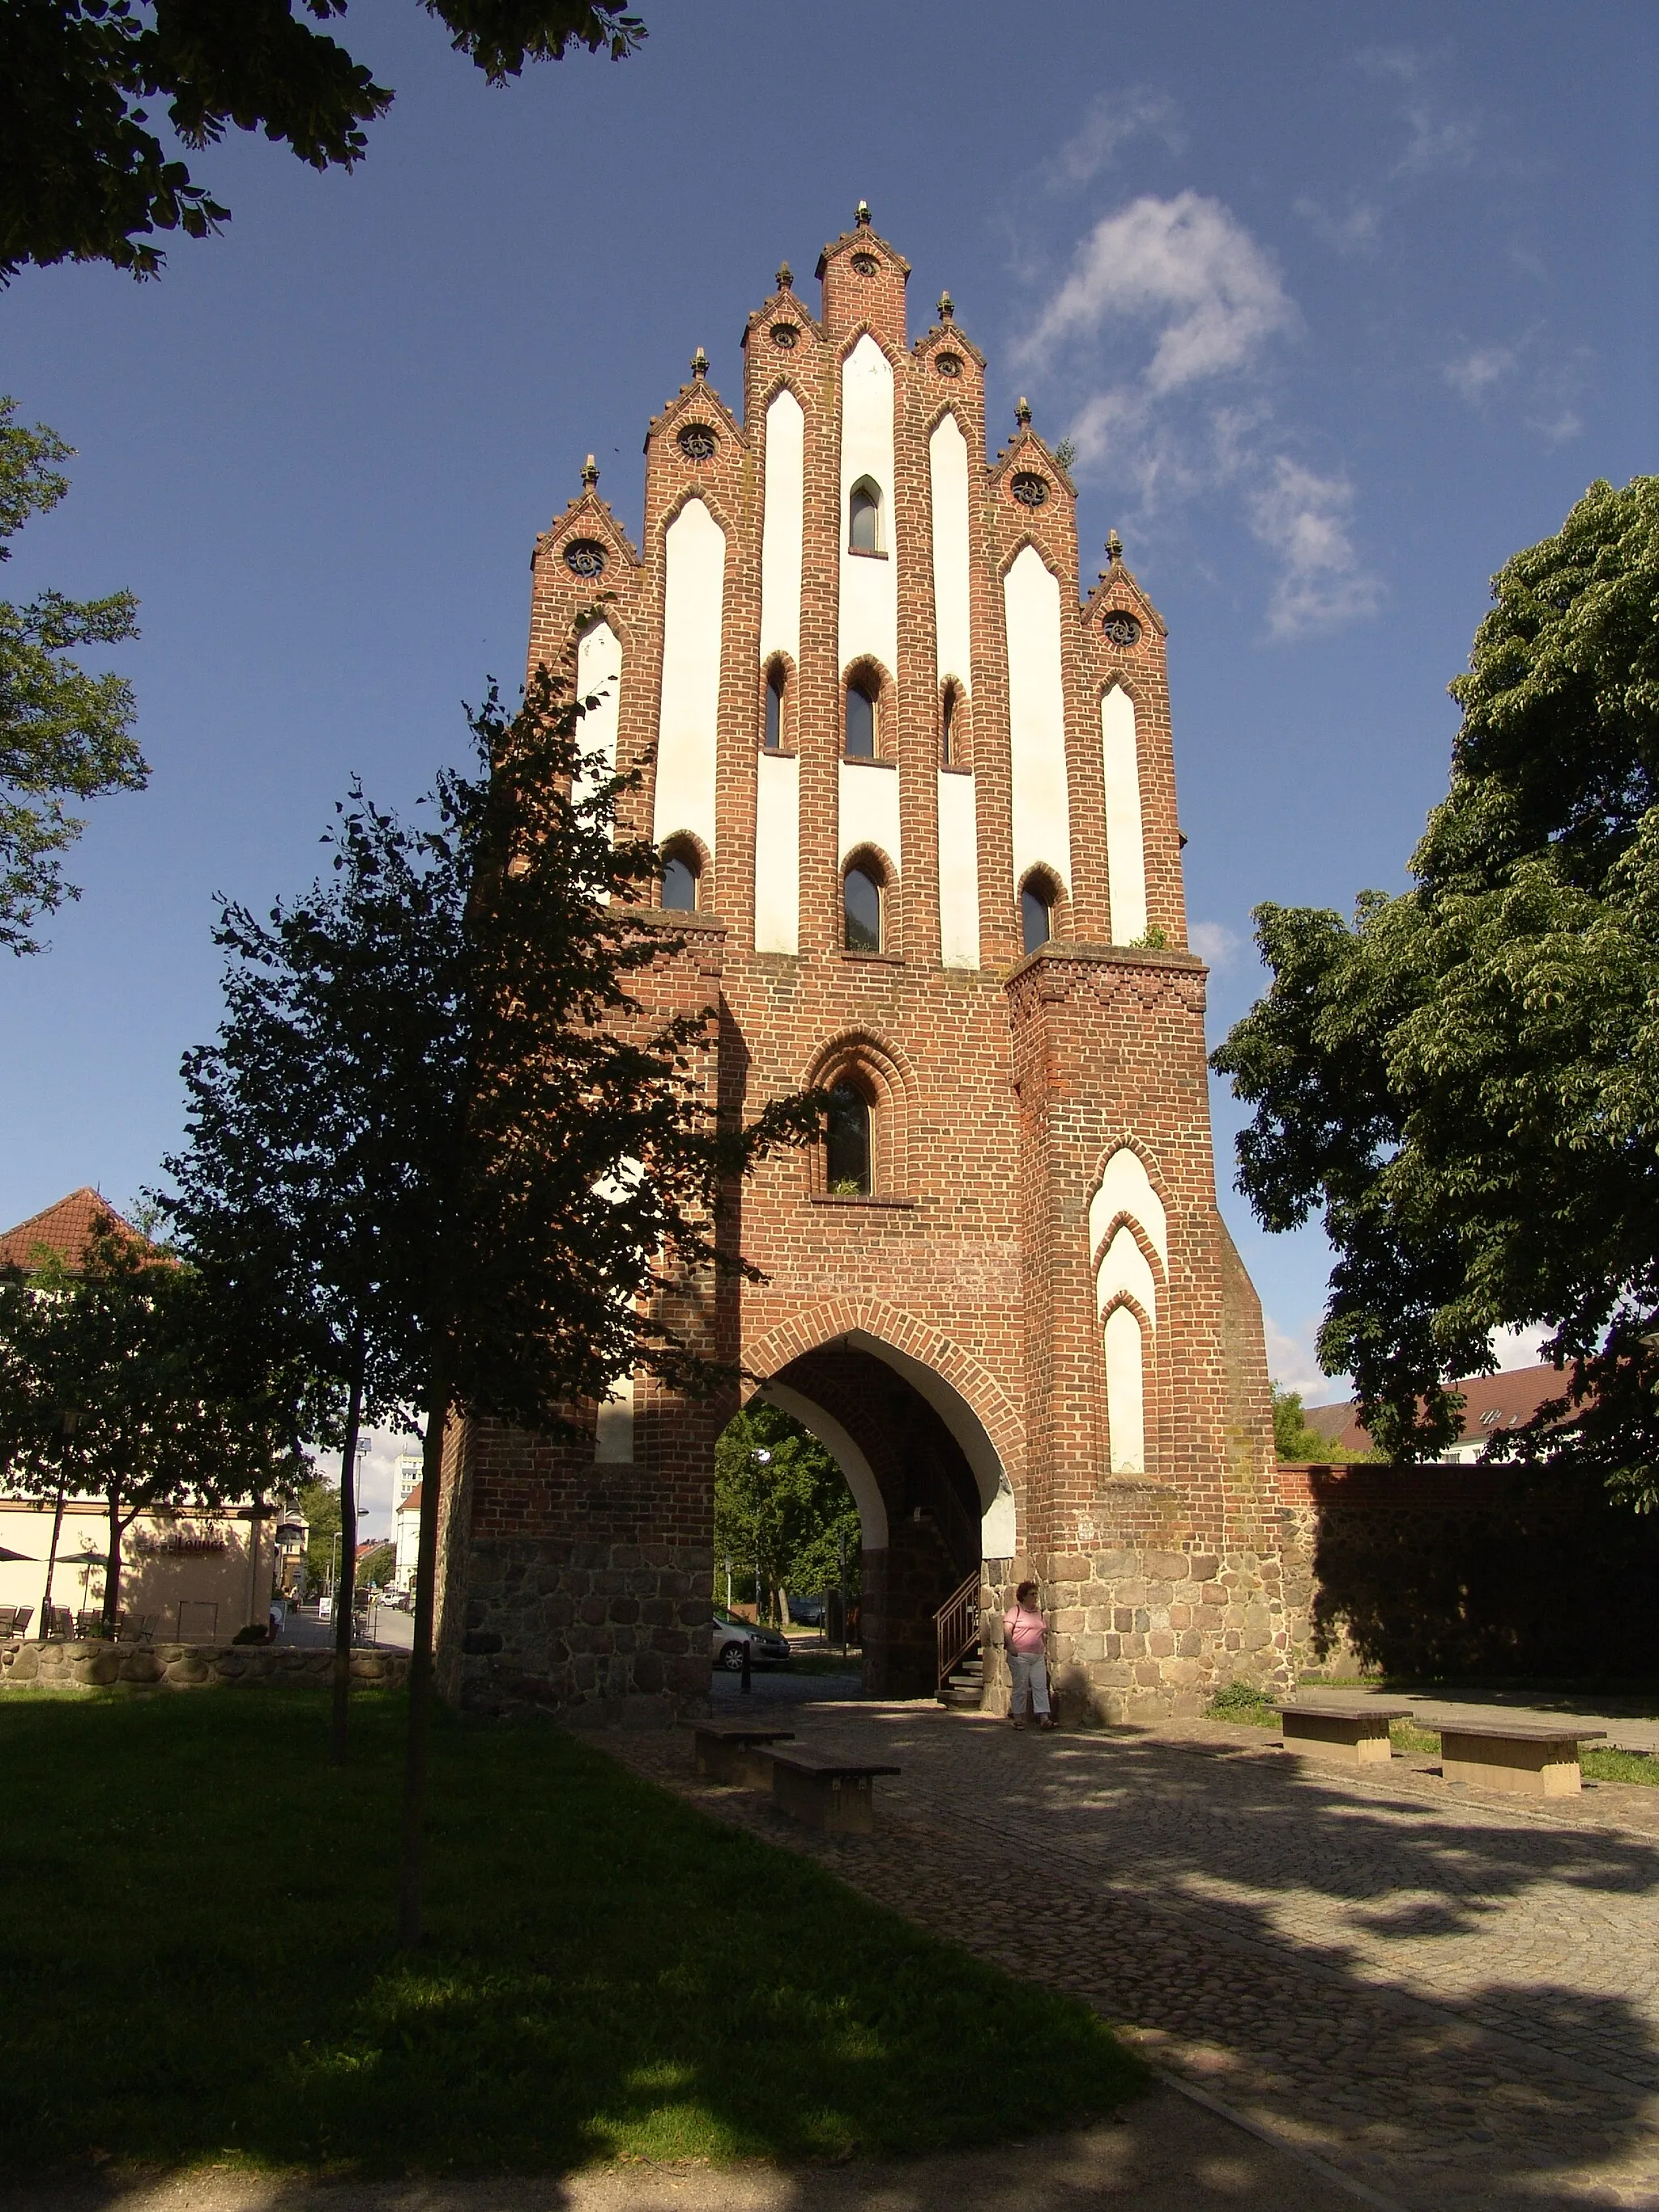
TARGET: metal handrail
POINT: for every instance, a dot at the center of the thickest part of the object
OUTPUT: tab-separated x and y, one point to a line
955	1626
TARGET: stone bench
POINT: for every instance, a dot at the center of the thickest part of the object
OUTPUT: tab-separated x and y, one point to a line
1341	1735
735	1752
821	1791
1537	1759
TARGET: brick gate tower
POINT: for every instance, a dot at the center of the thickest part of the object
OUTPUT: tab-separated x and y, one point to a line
918	810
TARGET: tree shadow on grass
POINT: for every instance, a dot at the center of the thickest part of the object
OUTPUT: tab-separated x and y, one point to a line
201	1913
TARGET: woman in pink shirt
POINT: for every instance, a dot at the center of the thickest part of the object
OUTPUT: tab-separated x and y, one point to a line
1024	1637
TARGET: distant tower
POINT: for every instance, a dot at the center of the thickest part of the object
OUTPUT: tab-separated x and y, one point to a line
918	810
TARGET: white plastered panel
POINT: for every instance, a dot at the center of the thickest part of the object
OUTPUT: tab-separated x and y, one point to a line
1123	1267
777	853
781	526
1037	718
947	454
613	1443
1126	1187
1126	1416
694	596
1126	851
859	1474
958	872
869	810
868	620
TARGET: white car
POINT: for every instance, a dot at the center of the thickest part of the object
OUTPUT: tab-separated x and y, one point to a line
766	1646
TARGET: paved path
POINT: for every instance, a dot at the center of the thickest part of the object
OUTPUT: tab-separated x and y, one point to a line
1451	1997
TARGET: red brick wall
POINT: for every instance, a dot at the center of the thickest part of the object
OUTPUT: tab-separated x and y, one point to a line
1001	1092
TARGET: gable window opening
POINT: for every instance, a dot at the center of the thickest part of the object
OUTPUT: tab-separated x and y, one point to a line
863	721
864	518
1036	914
847	1141
861	905
775	680
682	880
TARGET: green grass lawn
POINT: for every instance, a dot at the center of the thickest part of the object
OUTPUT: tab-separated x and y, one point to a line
1237	1702
198	1963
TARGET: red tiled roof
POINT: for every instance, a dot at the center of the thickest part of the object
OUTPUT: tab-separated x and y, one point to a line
412	1503
66	1229
1490	1402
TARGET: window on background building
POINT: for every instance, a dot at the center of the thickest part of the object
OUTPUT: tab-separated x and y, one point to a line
864	518
847	1148
774	682
679	883
861	900
1037	915
860	721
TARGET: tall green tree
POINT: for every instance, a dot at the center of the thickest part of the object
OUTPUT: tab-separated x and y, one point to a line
123	1342
64	735
85	176
1465	1079
782	1509
437	1117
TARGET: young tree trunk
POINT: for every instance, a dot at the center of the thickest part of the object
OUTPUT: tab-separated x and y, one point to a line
347	1587
420	1664
113	1571
52	1559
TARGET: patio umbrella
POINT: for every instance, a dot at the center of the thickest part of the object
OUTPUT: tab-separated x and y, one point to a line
7	1557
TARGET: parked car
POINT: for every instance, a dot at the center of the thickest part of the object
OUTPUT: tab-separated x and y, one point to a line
807	1611
766	1647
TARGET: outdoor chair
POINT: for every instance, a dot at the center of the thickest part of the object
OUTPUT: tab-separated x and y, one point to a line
22	1616
7	1620
92	1623
61	1622
140	1627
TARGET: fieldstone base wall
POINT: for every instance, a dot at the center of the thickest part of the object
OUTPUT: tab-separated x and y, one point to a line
96	1665
569	1625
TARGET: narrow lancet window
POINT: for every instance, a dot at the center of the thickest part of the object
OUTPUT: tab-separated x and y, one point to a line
860	723
848	1142
861	898
864	518
775	681
679	883
1037	915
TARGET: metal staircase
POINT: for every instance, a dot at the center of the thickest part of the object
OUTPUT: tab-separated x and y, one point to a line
961	1667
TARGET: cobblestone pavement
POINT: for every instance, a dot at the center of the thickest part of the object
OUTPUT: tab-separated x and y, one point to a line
1450	1996
1628	1723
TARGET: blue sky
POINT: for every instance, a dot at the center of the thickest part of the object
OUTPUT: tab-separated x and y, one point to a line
1342	305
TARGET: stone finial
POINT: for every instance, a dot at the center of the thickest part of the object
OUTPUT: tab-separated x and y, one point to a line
699	364
861	215
785	277
1023	412
1114	548
947	306
590	473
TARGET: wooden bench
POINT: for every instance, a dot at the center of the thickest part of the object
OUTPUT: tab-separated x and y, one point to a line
823	1791
735	1752
1342	1735
1538	1759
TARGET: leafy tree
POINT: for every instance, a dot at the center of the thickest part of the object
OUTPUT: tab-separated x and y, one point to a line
781	1504
122	1342
319	1501
64	735
438	1125
1466	1079
83	177
1294	1440
376	1568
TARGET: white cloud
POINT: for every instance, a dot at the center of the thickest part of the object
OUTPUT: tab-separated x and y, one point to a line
378	1489
1353	233
1113	119
1557	428
1476	373
1438	137
1517	1347
1302	518
1187	268
1213	942
1293	1366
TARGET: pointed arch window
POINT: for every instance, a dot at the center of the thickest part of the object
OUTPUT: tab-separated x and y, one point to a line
777	682
863	719
847	1145
947	746
682	879
864	517
1037	912
861	905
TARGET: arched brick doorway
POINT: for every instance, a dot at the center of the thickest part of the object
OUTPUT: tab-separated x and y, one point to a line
931	1494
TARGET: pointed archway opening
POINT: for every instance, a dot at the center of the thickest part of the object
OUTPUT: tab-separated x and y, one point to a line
934	1503
788	1547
